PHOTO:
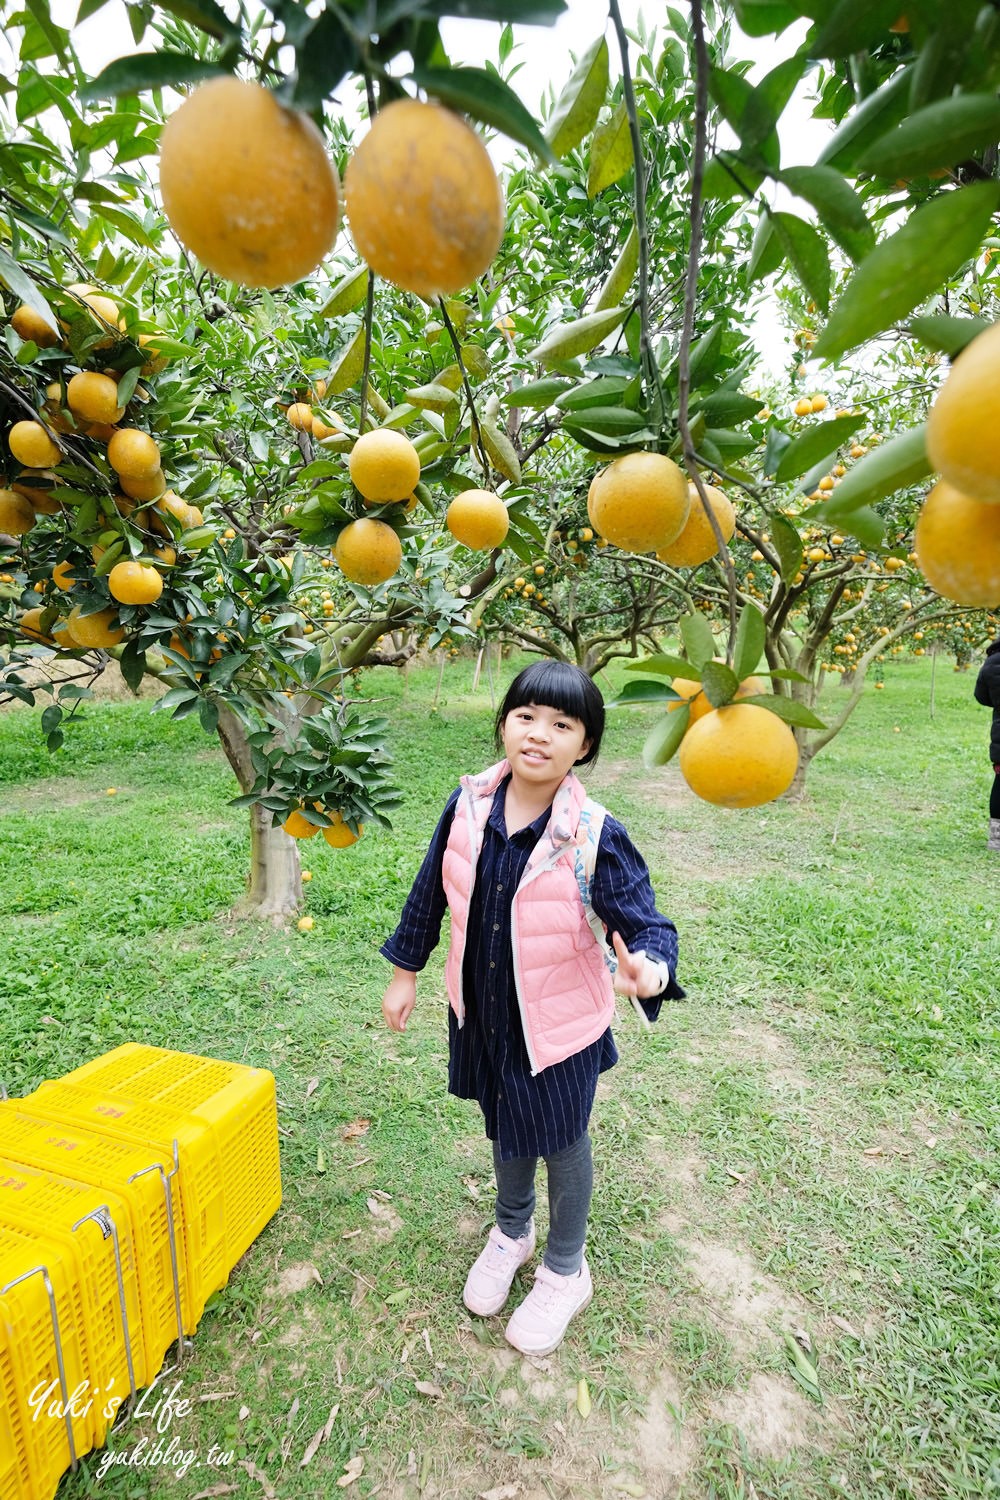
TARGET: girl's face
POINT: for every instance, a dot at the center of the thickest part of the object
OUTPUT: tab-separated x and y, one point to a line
542	744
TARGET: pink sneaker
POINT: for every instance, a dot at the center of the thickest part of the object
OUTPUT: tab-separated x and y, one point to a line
487	1285
540	1322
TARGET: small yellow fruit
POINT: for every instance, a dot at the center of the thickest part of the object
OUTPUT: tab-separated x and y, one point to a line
33	328
94	397
307	875
135	583
339	835
803	407
298	827
305	924
31	445
739	756
133	454
479	519
17	514
30	624
145	487
384	466
300	415
818	403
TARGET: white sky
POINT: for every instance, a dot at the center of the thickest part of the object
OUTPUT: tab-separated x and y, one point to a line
545	55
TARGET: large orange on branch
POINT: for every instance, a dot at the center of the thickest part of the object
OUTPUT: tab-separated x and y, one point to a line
247	184
368	551
640	502
478	518
957	540
423	200
384	466
697	543
963	427
739	756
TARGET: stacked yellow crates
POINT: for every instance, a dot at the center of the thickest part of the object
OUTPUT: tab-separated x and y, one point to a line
128	1191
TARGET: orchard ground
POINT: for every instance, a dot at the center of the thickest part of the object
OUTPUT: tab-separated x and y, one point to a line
808	1142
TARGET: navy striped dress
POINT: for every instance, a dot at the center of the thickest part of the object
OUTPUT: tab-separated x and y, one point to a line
488	1060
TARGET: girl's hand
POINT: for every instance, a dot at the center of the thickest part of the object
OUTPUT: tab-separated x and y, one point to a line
636	975
399	999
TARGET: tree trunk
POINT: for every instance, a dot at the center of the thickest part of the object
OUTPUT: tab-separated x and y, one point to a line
274	884
796	792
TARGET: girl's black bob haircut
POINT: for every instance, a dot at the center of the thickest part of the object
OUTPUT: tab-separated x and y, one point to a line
567	689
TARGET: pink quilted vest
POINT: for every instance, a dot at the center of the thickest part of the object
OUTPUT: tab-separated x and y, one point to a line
564	986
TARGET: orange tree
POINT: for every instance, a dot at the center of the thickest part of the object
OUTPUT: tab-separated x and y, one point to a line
620	329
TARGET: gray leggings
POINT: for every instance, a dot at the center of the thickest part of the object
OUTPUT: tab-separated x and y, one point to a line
571	1182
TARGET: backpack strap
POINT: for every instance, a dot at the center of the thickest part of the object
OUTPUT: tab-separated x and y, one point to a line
588	839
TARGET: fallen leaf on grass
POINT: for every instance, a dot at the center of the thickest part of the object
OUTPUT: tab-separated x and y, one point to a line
311	1087
244	1413
736	1176
428	1388
260	1477
502	1492
216	1490
320	1160
472	1187
217	1396
354	1470
845	1327
319	1437
351	1234
802	1369
356	1128
873	1151
583	1403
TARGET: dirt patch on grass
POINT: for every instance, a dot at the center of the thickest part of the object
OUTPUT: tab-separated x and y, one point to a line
772	1416
756	1041
748	1305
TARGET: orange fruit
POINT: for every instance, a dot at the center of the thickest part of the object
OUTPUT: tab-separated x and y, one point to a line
479	519
368	552
696	543
739	756
818	403
135	583
95	632
299	827
63	576
30	623
698	703
339	835
36	485
187	516
144	487
803	407
300	414
963	427
321	429
32	327
102	307
17	514
133	454
640	502
94	397
957	542
384	466
423	200
31	445
247	184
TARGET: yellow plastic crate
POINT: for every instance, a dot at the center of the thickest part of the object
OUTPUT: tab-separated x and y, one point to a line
198	1183
237	1103
35	1453
46	1208
140	1179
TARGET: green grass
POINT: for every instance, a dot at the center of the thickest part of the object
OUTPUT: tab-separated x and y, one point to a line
811	1136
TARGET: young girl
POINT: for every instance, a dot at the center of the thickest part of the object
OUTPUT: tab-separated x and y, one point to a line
524	860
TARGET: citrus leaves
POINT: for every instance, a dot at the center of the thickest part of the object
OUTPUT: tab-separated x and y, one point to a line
578	106
943	133
569	340
888	468
908	267
610	153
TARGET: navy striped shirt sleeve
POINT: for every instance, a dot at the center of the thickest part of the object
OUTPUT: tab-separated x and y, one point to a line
419	929
623	899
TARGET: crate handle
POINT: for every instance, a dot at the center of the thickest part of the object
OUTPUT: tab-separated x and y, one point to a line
60	1364
165	1180
104	1221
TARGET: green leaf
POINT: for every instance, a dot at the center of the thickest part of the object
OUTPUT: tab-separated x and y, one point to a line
943	133
788	545
501	451
749	645
664	739
642	692
839	208
578	106
621	275
720	683
610	153
728	406
906	269
852	26
767	102
205	15
806	251
605	421
766	251
476	361
600	392
132	663
699	642
488	99
814	445
538	393
325	53
877	114
348	368
890	467
663	665
764	17
788	709
148	70
432	398
349	292
20	283
519	12
948	334
568	340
